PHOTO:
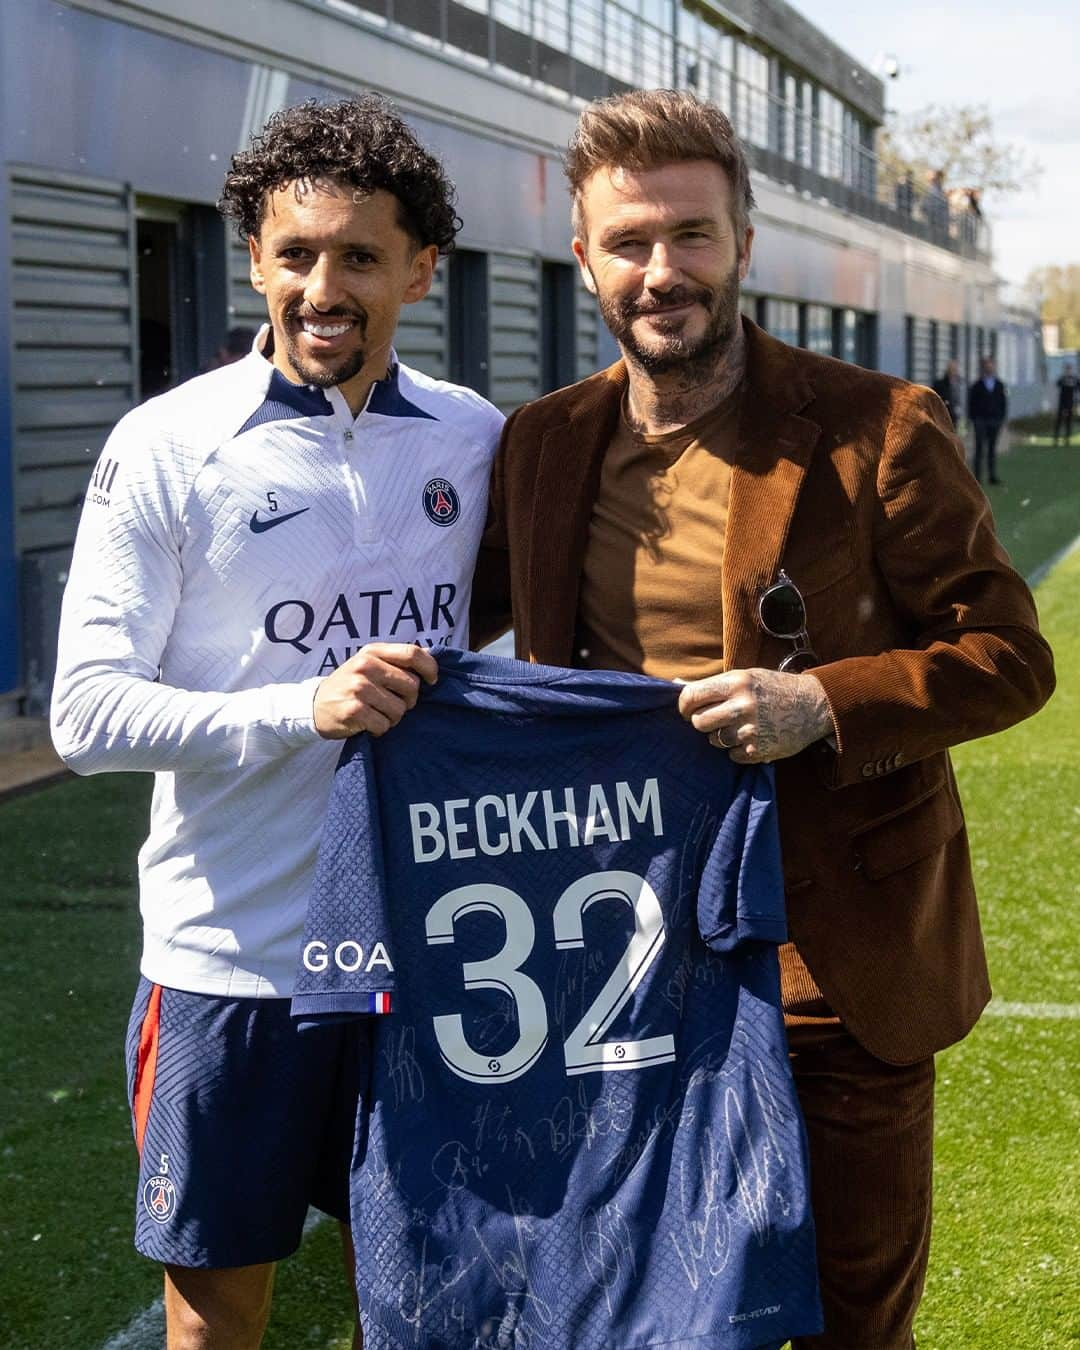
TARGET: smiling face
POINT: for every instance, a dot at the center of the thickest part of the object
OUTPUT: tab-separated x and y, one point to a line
660	252
336	266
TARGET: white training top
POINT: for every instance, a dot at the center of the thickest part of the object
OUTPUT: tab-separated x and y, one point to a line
242	536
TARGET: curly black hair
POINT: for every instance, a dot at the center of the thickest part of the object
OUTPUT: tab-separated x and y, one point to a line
361	141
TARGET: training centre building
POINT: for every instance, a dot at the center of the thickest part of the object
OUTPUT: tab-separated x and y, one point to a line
119	277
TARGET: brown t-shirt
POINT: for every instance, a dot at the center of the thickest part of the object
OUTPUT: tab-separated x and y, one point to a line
650	589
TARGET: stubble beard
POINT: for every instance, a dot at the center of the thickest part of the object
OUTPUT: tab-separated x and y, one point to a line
323	376
669	353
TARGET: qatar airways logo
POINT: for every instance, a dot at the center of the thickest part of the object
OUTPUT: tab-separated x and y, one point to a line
415	614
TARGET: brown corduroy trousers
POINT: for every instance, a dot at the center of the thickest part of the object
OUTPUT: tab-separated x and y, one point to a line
870	1127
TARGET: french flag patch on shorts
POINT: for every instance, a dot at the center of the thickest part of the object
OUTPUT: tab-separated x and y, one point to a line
380	1003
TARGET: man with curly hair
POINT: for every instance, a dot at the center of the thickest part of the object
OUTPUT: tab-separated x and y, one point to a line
267	554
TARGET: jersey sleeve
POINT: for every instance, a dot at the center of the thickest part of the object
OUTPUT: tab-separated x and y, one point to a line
741	896
346	966
109	709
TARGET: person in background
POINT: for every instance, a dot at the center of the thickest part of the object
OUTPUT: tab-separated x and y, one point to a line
1067	386
987	409
235	346
949	389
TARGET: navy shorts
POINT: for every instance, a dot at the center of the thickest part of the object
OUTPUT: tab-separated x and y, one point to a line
241	1121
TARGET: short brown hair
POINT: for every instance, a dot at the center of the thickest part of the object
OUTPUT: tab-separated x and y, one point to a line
647	128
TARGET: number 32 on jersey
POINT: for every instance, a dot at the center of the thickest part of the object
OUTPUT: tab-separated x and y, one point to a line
585	1049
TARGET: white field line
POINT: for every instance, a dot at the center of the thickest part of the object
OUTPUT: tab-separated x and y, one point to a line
1049	1012
1044	569
146	1330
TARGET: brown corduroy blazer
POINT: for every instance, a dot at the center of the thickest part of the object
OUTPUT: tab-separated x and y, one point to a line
852	482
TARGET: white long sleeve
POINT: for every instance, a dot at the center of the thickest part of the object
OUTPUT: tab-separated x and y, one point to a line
240	538
110	708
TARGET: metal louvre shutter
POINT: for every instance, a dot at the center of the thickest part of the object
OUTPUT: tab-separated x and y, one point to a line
586	359
75	368
921	353
75	350
420	340
246	306
514	296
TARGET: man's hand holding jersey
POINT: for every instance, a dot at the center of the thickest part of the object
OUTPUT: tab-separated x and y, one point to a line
373	690
758	715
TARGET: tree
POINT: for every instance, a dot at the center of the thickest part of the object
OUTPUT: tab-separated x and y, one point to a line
959	143
1060	287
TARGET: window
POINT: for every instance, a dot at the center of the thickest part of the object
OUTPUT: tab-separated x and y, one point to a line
920	350
789	114
551	20
621	33
469	320
558	333
855	337
513	13
819	329
752	95
804	125
847	335
782	320
830	134
718	66
657	58
587	32
866	340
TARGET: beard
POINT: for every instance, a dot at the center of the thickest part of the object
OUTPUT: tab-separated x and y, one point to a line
324	376
668	352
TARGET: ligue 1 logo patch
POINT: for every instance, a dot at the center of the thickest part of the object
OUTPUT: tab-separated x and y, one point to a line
159	1199
442	505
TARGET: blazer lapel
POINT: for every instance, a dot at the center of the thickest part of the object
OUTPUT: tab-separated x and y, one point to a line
773	451
566	483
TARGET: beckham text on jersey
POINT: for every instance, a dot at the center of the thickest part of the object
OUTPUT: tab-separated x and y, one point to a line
494	824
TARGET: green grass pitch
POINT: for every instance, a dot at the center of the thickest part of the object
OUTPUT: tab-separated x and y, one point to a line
1005	1271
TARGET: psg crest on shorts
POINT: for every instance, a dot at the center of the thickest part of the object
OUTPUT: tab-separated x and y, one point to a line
159	1199
442	505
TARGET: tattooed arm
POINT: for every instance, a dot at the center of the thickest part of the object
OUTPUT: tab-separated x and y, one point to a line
758	715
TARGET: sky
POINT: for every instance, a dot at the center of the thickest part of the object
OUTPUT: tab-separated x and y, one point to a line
1023	62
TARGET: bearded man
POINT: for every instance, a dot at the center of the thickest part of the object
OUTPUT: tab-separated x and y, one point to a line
269	553
799	540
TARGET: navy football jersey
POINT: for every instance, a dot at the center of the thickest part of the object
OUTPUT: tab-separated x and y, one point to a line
579	1127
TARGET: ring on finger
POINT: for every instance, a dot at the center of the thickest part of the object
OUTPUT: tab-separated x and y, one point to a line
720	738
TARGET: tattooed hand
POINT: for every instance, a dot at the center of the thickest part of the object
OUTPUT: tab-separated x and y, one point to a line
758	715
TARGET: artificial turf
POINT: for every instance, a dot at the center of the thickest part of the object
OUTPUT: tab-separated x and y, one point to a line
1035	508
1005	1272
1005	1264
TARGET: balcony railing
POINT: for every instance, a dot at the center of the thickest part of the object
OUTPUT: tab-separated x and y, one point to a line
585	49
